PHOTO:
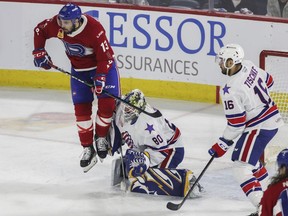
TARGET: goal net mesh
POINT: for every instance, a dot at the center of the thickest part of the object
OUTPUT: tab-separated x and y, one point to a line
276	64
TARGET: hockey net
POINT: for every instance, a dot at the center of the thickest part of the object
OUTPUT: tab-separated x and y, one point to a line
276	63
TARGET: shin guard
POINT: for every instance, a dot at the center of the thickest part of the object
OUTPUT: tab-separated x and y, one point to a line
84	123
248	182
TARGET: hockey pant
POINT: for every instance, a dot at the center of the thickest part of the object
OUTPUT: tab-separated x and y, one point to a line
248	171
83	97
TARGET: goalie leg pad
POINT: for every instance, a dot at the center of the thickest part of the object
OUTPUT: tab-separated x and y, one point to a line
116	172
137	163
158	181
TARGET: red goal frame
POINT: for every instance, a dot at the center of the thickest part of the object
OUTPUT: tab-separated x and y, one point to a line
265	53
262	59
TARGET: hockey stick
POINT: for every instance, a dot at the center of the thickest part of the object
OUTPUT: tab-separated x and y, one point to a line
174	206
123	182
154	115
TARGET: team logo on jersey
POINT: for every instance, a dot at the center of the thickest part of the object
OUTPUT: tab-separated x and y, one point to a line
226	89
149	128
77	49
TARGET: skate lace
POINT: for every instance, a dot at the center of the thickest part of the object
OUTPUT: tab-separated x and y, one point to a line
101	144
86	153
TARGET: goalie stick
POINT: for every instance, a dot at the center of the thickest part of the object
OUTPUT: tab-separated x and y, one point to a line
174	206
123	182
154	115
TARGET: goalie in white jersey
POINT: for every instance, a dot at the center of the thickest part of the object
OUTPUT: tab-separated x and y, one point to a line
155	149
252	118
159	138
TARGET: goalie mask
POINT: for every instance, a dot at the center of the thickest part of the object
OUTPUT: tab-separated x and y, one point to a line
136	98
230	51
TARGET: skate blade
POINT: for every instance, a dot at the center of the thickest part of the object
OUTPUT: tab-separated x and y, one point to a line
124	185
93	162
110	152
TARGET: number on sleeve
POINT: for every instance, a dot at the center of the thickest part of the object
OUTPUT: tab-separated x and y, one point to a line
229	105
262	92
104	46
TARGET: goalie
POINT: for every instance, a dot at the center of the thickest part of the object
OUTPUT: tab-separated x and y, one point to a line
155	149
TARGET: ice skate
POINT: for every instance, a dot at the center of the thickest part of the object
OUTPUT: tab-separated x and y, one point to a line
256	212
88	159
101	145
253	214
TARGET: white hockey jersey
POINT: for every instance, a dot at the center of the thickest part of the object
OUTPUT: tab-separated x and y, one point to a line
247	102
150	134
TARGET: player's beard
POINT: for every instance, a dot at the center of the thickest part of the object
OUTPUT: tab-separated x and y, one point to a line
69	32
224	70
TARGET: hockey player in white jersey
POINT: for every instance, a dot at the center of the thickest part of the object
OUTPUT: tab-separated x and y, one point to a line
252	117
155	149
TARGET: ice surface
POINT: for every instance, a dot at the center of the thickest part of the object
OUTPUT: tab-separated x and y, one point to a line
39	162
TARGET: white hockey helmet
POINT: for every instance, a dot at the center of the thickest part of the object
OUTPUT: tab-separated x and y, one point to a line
136	98
230	51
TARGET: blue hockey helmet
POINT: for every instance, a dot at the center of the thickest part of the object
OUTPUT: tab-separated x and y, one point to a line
282	158
70	12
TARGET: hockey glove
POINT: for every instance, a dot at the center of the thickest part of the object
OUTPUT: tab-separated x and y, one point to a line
41	58
137	163
99	83
221	147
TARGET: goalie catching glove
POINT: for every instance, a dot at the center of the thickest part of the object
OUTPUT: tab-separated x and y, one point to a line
221	147
137	163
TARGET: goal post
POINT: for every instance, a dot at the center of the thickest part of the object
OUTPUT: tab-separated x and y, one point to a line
276	64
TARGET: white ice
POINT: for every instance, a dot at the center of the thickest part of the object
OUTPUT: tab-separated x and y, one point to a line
39	162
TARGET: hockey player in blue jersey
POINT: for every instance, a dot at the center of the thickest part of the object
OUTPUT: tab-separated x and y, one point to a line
155	150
